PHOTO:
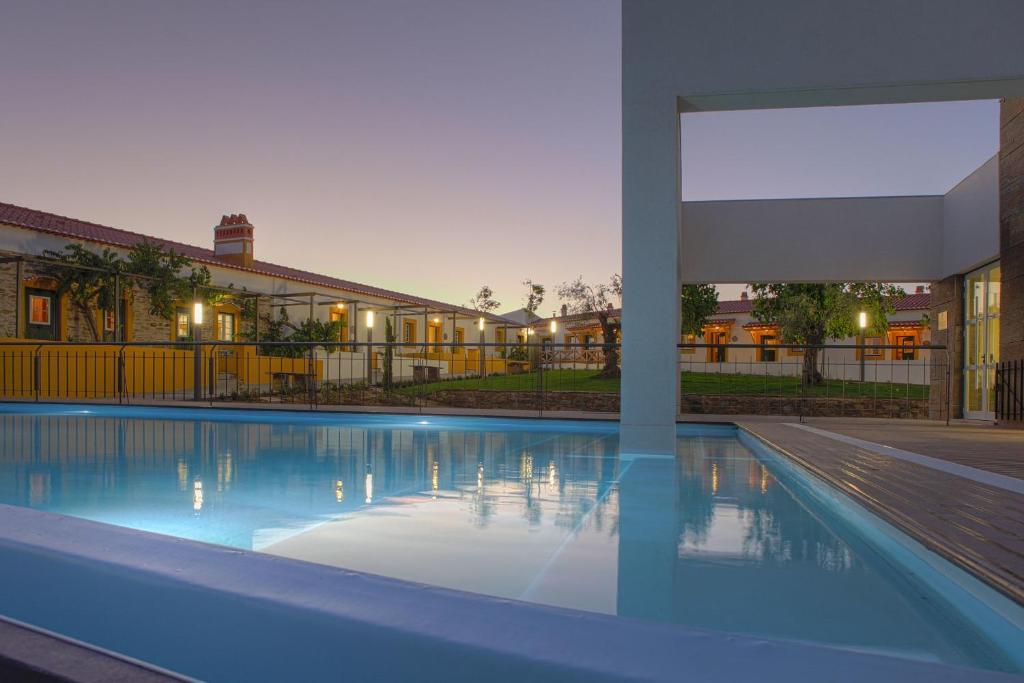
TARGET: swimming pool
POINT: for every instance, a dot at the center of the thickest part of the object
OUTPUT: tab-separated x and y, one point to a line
727	536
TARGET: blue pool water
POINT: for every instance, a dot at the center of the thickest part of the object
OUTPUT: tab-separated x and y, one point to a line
725	536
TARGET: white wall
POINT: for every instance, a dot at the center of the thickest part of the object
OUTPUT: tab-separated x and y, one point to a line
970	232
892	239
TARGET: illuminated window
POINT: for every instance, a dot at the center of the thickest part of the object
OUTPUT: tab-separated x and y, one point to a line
182	324
39	309
906	344
688	339
768	355
108	321
408	331
499	336
341	317
226	327
876	353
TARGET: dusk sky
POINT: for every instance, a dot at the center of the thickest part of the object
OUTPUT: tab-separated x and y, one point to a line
427	147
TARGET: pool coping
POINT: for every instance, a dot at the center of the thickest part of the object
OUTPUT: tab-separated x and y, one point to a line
289	609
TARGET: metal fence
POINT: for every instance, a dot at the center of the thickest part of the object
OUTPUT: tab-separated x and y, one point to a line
539	377
1009	391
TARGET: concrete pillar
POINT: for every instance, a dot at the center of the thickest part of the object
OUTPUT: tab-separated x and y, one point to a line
945	393
651	206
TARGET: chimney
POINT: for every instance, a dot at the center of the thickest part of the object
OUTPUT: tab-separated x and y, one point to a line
565	310
743	295
232	240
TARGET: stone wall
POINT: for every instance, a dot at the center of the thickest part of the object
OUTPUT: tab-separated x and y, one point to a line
8	299
947	297
1011	228
697	404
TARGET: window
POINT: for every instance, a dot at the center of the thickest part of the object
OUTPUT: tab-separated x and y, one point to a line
40	309
587	340
499	336
688	339
182	324
408	331
569	340
906	344
717	354
460	337
108	321
870	353
340	317
768	355
226	327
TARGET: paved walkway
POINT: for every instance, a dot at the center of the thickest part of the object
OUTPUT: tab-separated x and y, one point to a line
976	525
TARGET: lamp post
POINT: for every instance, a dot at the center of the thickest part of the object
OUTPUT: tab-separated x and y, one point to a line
197	353
862	323
483	349
369	347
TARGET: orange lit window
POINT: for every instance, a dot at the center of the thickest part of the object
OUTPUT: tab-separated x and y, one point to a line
39	310
108	321
870	353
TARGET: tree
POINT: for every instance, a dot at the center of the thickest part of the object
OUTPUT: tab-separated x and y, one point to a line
87	278
484	301
534	296
814	313
388	380
166	276
699	303
162	277
280	328
598	301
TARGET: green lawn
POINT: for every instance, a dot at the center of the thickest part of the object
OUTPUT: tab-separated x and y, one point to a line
707	383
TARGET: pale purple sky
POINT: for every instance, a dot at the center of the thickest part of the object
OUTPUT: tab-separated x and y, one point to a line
428	147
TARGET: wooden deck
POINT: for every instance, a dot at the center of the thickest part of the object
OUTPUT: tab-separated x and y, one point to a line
977	526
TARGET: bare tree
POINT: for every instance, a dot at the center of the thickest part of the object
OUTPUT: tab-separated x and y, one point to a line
598	300
484	301
534	296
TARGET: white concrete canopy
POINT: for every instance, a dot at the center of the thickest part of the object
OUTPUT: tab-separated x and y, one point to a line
692	55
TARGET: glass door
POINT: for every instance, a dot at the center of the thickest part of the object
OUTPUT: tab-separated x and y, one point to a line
981	341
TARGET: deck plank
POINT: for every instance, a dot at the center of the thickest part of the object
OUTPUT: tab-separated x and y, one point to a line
978	527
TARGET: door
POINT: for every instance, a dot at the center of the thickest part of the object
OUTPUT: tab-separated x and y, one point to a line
981	341
41	314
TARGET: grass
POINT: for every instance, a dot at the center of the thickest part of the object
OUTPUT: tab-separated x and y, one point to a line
706	383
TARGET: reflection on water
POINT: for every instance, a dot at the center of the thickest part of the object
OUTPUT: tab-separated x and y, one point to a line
710	539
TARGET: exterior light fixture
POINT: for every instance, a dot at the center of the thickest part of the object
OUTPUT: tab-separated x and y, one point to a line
481	324
530	333
437	320
369	318
341	304
197	313
862	320
554	326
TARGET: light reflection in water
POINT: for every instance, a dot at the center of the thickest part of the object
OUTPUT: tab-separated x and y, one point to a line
711	539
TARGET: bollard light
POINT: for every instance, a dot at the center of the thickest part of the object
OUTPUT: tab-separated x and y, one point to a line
369	319
481	324
197	313
862	320
554	326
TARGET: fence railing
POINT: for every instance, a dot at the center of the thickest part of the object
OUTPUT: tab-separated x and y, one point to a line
1009	391
829	380
723	379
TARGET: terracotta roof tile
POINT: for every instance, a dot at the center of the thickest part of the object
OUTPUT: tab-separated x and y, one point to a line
32	219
